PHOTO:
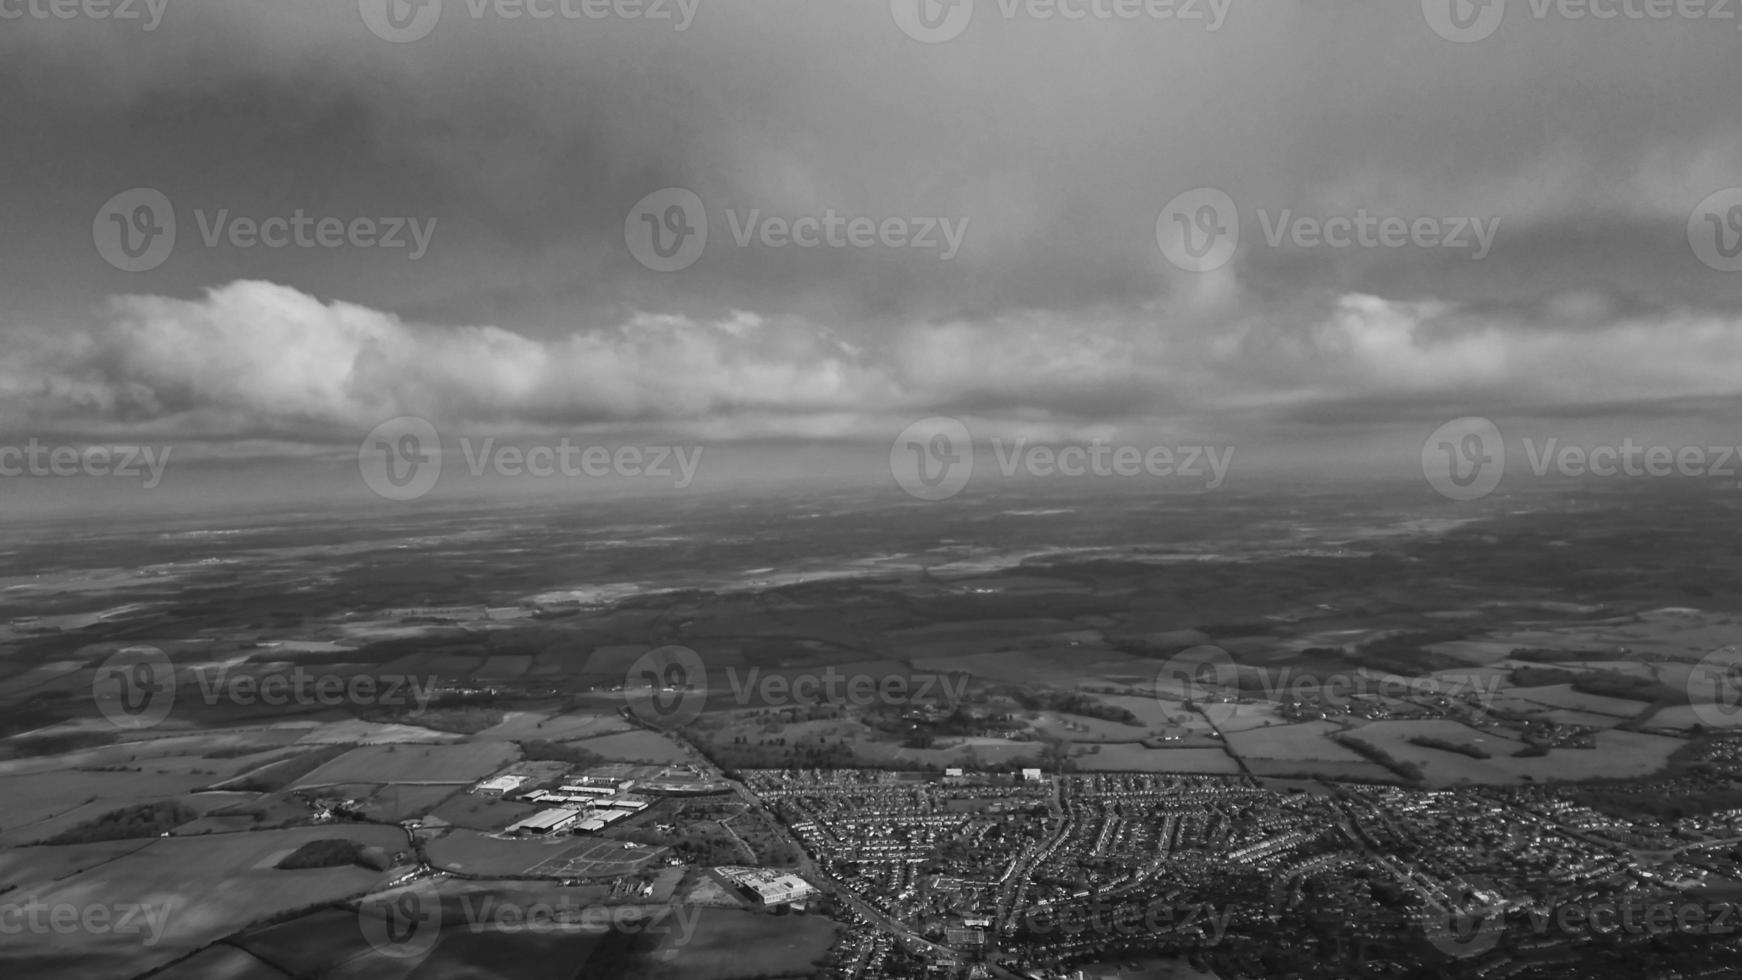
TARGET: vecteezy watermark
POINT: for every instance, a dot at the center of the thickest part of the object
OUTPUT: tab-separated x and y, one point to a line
1467	924
1715	230
405	924
403	21
831	686
938	21
667	231
1199	231
137	687
1714	688
1469	21
147	13
1208	677
933	459
1462	933
31	917
401	459
1465	459
136	231
668	687
37	459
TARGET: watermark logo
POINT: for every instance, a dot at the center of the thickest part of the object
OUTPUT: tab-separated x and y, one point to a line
36	918
1208	677
932	21
933	459
1464	459
667	230
150	12
667	687
1199	231
1464	933
1715	230
1203	675
1714	688
938	21
404	924
403	21
134	231
400	21
135	687
754	688
1469	21
1464	21
38	460
401	459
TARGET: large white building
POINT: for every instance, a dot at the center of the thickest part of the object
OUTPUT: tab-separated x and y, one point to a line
500	785
546	822
770	888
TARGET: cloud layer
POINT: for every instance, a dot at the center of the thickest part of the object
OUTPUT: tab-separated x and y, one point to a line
254	359
1059	142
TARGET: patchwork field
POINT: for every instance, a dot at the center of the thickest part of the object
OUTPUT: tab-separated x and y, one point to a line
472	853
448	764
1136	758
638	745
200	889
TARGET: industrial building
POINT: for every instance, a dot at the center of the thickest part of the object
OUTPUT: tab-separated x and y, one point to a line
767	888
500	785
546	822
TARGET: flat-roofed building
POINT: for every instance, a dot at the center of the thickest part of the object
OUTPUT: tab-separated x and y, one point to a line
500	785
547	822
768	888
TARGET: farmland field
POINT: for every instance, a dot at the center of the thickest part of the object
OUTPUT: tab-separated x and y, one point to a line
560	856
456	764
733	945
636	746
202	887
1136	758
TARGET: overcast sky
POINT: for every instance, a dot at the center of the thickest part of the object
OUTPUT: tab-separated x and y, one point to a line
1581	149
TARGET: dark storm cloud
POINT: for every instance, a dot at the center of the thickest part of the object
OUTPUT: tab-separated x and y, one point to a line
1052	146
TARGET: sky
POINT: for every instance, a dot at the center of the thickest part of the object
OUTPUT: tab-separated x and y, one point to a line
1006	212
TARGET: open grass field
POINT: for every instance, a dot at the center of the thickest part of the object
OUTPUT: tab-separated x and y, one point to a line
1307	740
1366	772
40	805
1563	696
448	764
476	935
561	856
1136	758
1617	753
464	809
638	745
204	888
222	962
1062	665
517	725
741	945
